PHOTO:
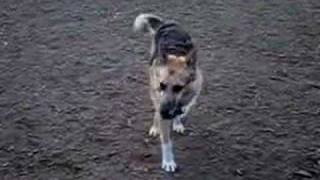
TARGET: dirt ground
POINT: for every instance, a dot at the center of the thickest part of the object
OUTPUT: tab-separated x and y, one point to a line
74	100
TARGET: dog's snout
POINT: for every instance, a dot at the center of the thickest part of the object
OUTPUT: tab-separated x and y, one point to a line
178	111
170	111
167	110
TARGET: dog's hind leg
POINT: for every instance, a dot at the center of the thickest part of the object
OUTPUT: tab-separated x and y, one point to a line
168	163
155	128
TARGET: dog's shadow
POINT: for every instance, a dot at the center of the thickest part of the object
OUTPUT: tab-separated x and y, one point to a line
194	153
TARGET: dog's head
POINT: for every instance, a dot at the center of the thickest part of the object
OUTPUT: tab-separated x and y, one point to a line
176	74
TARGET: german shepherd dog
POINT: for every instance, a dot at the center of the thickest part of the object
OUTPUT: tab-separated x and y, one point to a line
175	79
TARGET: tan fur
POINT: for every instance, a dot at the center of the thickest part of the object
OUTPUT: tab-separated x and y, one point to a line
174	73
175	80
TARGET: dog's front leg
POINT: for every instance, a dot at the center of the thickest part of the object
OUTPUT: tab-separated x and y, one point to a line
177	122
186	102
178	125
168	163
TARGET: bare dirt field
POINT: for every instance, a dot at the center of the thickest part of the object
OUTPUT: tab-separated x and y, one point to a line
74	100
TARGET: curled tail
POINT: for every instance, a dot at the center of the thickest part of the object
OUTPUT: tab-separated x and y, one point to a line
147	23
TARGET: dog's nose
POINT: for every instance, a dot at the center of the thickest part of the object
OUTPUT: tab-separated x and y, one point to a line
178	111
167	114
167	110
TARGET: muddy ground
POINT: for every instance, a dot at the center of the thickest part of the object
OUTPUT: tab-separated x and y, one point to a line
74	100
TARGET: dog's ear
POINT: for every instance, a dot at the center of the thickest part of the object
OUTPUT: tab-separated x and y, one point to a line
191	57
177	59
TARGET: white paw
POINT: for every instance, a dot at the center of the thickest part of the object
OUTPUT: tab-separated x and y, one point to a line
178	127
154	131
169	166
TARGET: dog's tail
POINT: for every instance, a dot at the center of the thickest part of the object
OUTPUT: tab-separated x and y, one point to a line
147	23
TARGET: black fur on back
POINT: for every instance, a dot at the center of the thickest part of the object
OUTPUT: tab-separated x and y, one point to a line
171	39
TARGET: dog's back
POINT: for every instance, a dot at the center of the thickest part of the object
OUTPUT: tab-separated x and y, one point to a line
168	37
171	39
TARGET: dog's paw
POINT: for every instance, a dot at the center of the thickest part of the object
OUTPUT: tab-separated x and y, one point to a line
154	131
169	166
178	127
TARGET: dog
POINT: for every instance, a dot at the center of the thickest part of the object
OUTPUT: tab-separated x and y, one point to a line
175	79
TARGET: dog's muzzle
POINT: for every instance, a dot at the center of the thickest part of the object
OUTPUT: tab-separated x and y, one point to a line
170	110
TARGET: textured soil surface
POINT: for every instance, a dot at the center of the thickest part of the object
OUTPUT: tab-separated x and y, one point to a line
74	100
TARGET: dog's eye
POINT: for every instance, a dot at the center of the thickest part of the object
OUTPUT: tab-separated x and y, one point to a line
177	88
163	86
